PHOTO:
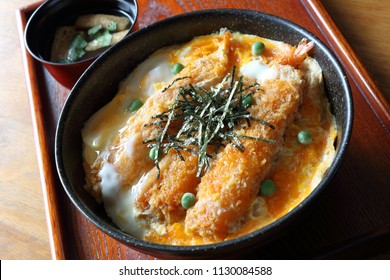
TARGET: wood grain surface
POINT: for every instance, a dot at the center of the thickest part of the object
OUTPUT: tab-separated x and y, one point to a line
24	231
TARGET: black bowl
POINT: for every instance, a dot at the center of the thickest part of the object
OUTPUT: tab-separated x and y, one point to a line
99	84
50	15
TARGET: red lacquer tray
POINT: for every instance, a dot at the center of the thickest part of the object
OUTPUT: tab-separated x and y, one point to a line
351	219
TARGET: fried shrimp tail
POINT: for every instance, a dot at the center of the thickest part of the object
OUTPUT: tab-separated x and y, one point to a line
295	55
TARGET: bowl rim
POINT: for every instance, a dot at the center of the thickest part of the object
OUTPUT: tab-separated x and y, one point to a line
194	250
41	7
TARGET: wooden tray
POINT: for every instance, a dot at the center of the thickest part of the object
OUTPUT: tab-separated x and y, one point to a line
350	220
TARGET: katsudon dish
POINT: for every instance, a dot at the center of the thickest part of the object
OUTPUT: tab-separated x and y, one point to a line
211	139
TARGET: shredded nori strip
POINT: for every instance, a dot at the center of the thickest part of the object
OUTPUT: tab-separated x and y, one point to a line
207	119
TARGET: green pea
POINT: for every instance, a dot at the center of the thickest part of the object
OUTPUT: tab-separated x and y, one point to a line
304	137
258	48
247	101
267	187
187	200
176	68
135	105
155	152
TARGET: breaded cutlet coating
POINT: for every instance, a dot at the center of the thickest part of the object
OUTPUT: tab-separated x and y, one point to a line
227	190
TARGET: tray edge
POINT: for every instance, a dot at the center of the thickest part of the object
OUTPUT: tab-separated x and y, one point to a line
43	156
350	61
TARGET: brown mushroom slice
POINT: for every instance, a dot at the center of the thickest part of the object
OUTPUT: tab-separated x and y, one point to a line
62	39
117	36
114	38
91	20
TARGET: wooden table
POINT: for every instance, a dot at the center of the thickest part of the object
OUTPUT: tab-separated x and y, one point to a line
23	231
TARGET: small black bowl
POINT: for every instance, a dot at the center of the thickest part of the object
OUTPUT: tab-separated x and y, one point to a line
99	84
50	15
